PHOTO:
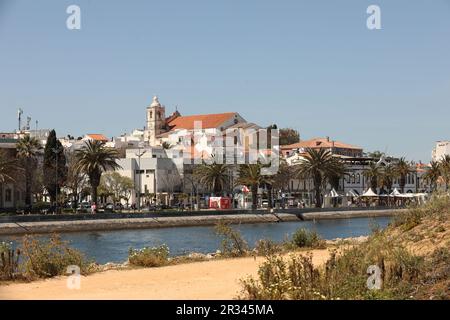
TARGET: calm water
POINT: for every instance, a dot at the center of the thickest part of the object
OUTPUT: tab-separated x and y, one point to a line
113	246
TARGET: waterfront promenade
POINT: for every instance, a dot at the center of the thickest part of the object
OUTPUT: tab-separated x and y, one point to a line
17	225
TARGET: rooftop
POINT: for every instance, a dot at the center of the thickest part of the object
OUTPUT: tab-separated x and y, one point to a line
208	120
318	143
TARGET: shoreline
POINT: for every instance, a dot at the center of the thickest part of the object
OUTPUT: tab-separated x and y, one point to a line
45	227
206	280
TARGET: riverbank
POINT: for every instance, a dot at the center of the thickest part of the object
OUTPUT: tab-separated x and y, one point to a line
42	227
208	280
19	228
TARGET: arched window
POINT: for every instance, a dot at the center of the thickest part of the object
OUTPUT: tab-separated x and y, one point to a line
151	114
358	178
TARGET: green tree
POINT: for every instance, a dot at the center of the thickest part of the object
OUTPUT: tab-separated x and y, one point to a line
319	165
432	174
94	159
215	176
250	175
376	155
117	186
288	136
8	171
54	168
76	180
373	174
8	168
388	174
444	165
27	152
403	168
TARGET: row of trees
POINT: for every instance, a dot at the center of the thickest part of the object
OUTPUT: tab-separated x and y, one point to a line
383	176
318	165
321	168
58	169
439	169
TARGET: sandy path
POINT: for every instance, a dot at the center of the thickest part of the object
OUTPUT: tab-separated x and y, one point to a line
201	280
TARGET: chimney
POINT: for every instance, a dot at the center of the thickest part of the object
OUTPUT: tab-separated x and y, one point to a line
328	139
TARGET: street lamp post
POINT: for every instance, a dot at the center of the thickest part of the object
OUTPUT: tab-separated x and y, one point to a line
139	155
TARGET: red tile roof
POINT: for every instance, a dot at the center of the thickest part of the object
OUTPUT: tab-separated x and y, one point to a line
97	137
208	120
318	143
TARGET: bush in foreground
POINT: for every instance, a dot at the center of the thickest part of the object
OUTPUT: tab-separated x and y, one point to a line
344	276
267	247
45	259
9	262
232	245
304	238
408	268
149	256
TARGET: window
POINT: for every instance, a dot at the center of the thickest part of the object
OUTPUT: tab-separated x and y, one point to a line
358	178
151	114
8	195
153	155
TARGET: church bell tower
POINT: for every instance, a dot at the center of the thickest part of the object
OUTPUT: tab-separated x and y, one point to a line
155	121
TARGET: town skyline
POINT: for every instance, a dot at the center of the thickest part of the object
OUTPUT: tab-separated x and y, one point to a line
319	70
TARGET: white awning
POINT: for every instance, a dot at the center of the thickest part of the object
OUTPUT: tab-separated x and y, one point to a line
369	193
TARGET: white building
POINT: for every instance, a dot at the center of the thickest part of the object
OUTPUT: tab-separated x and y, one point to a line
154	171
441	149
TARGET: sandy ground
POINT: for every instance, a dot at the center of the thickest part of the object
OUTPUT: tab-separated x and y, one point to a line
201	280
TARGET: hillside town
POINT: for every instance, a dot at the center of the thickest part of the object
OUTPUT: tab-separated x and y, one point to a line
173	164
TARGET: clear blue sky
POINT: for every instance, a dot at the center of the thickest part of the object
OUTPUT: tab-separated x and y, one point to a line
310	65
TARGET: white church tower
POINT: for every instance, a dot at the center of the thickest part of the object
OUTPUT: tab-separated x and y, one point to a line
156	117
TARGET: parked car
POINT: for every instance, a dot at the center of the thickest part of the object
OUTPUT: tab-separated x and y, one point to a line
84	206
109	207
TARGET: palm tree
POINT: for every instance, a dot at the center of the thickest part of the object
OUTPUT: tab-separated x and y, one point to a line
372	174
8	167
403	168
215	176
27	152
444	165
8	170
320	166
432	174
250	175
388	174
94	159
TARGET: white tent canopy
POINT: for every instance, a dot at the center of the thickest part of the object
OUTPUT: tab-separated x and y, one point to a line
369	193
334	194
352	193
396	193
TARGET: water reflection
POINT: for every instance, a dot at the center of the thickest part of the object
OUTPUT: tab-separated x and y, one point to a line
113	246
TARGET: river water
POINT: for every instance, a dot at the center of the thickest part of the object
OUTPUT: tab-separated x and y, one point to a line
113	246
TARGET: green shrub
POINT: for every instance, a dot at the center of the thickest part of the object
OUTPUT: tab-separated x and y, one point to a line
438	206
304	238
267	247
149	256
232	245
9	262
45	259
343	276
